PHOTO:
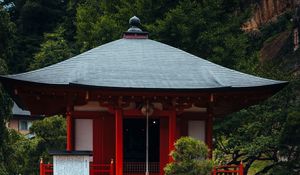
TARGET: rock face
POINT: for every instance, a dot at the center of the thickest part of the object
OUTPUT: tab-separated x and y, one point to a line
268	10
272	48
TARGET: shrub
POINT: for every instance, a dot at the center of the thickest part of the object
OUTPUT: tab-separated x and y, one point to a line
190	158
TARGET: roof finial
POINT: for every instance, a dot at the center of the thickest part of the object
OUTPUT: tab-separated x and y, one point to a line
134	32
134	23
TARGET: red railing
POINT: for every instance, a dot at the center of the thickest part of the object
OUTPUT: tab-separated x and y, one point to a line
46	169
135	168
229	170
95	169
102	169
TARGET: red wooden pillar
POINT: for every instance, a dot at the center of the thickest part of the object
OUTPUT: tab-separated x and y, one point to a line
209	126
163	148
209	133
69	131
98	140
172	132
119	141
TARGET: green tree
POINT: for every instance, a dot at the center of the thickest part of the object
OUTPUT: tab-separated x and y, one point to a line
289	140
7	37
69	22
50	134
148	11
5	106
14	157
262	133
209	29
32	18
7	29
54	49
36	17
190	158
94	26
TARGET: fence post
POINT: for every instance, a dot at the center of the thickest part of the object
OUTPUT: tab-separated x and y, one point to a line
41	167
241	169
111	166
214	171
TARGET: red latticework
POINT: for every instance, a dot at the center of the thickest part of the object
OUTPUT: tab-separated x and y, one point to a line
139	168
229	170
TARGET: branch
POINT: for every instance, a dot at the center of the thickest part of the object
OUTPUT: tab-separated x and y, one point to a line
266	169
270	158
234	162
235	157
227	151
252	158
249	163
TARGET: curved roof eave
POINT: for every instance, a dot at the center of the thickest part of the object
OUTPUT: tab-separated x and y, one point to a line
279	86
140	64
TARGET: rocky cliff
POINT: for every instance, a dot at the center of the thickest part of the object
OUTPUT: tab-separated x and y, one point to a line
265	11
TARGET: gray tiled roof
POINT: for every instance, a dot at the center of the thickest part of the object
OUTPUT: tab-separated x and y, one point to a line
141	63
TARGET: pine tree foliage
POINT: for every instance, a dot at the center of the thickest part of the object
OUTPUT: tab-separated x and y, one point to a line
54	49
190	158
6	44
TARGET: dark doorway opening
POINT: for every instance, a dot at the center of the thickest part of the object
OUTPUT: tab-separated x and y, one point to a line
135	140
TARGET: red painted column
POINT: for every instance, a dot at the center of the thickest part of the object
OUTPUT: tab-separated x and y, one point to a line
209	133
172	132
69	131
163	148
97	140
119	141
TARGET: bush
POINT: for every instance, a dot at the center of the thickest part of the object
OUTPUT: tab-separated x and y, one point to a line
190	158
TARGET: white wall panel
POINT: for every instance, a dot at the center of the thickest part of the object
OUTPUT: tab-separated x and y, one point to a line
196	129
83	134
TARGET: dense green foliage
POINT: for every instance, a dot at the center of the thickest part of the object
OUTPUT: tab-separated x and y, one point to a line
190	158
99	29
53	50
5	106
7	34
206	29
25	154
7	30
35	34
267	132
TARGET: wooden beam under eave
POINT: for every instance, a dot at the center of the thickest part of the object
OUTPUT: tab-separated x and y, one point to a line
43	105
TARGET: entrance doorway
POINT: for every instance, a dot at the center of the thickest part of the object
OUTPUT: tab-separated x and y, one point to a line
135	145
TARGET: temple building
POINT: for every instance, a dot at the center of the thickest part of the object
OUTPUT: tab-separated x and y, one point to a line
21	121
128	101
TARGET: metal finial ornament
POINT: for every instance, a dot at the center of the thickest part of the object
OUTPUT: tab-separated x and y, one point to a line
134	32
134	23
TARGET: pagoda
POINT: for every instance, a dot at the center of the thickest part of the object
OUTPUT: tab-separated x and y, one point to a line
130	99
